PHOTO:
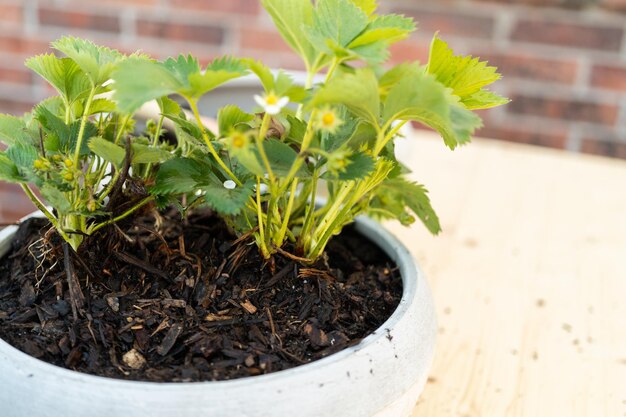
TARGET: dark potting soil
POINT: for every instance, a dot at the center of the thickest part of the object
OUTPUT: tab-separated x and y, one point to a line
157	299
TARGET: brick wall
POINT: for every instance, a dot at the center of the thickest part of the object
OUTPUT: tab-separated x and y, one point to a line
564	61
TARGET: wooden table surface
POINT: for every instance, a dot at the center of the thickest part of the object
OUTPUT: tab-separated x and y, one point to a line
528	277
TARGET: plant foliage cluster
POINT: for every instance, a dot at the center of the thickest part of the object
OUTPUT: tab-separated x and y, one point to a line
260	171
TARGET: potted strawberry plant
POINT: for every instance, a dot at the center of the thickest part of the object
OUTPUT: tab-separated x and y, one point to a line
179	270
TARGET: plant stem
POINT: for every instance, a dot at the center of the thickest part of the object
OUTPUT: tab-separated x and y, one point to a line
207	141
38	203
259	141
83	123
120	131
283	228
121	216
259	212
155	141
309	216
380	144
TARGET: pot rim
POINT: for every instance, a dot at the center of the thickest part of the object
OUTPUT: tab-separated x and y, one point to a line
371	229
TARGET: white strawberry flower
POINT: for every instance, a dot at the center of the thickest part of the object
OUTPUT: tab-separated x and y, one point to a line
230	184
271	103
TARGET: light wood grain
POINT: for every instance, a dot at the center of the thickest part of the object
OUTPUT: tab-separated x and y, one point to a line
529	279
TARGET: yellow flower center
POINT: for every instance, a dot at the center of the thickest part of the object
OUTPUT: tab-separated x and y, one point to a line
271	99
328	119
239	141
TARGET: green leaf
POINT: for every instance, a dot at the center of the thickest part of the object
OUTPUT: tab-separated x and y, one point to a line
339	21
54	127
190	127
387	29
8	170
108	151
229	117
179	176
147	154
281	158
416	198
360	166
227	202
284	86
395	197
249	159
463	74
368	6
290	17
69	143
13	130
182	67
263	72
102	105
63	74
297	130
422	98
55	198
23	155
97	62
484	99
358	92
138	81
168	106
217	73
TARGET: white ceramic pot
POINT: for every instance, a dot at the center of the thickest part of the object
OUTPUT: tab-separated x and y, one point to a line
382	376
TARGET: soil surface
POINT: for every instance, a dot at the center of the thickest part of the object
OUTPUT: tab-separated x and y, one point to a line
157	299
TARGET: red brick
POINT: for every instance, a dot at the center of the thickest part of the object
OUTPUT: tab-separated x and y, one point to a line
204	33
78	20
450	23
9	106
249	7
570	4
13	203
613	78
598	37
409	51
263	40
557	108
533	67
11	13
15	75
604	148
22	45
528	136
121	3
614	4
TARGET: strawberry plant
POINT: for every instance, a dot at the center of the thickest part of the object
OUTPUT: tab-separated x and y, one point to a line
263	171
77	149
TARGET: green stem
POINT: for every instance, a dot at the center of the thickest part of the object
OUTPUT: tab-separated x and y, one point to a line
283	228
121	128
40	205
309	134
259	212
110	186
259	141
83	123
380	144
122	216
309	216
155	142
332	213
207	141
